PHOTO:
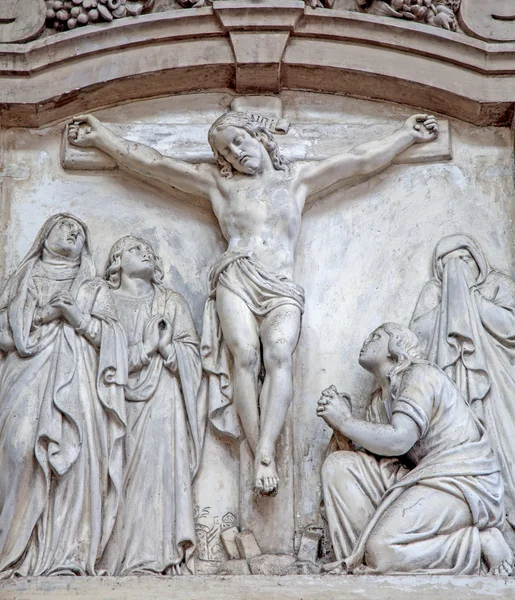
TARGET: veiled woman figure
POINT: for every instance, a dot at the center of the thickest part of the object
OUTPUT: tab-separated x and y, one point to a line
465	319
62	413
155	531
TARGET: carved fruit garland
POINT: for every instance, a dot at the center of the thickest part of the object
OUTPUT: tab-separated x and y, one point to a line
69	14
439	13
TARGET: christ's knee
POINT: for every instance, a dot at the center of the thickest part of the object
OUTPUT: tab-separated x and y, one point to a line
278	357
246	358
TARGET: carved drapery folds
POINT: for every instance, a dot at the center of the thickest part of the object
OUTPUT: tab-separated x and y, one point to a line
64	330
439	13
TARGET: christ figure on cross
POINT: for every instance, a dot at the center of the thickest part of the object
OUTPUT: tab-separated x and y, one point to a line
258	198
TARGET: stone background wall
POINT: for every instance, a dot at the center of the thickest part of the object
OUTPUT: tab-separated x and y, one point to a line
363	256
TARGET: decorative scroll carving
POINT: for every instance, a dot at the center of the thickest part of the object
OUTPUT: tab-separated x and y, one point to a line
439	13
416	509
21	20
69	14
491	20
465	321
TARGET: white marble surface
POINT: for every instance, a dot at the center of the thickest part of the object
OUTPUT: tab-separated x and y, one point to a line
258	587
363	256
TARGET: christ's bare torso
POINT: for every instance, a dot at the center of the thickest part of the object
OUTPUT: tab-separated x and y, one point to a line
261	215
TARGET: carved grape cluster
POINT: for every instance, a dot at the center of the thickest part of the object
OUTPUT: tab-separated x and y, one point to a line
434	13
439	13
69	14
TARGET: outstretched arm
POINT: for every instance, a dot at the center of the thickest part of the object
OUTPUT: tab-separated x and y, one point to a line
87	131
370	157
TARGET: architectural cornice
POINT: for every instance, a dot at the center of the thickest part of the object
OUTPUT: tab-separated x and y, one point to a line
256	47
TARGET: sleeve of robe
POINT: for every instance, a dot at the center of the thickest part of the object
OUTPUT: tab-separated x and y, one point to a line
498	314
189	370
425	316
6	338
111	377
415	398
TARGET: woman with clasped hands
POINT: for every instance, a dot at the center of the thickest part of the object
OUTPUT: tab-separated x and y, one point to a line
423	494
155	531
62	413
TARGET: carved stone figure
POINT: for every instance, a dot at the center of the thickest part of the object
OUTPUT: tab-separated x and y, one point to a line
439	13
62	412
254	307
434	503
466	324
155	529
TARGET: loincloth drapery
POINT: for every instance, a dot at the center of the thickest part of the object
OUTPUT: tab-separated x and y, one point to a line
262	292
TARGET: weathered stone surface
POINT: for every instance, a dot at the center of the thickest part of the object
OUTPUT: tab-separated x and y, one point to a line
247	545
309	546
307	568
234	567
229	541
21	20
333	51
490	20
256	587
273	565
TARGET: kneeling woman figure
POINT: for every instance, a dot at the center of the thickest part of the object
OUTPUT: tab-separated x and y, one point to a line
423	494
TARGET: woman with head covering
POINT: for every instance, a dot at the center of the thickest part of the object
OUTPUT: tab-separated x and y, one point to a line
61	408
465	319
155	530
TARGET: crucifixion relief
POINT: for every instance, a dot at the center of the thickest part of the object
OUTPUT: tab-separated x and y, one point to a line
254	311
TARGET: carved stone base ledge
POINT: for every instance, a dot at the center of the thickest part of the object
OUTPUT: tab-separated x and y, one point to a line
259	587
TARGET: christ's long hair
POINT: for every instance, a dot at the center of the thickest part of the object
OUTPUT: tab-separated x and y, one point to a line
114	263
252	127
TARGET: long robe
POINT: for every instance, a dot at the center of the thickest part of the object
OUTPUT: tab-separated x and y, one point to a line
469	331
62	421
385	516
155	529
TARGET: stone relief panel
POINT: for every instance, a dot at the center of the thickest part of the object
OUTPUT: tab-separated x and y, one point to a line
360	226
